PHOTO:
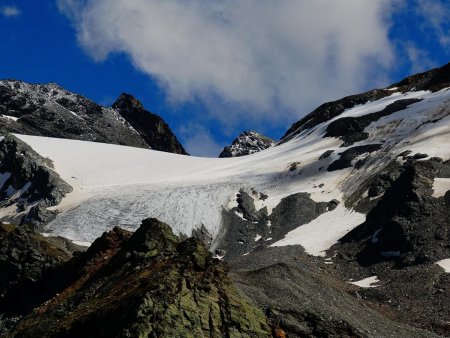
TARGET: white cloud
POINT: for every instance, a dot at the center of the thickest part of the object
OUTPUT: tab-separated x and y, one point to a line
435	16
272	59
419	58
10	11
198	141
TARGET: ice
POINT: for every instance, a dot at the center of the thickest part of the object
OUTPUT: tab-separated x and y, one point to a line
117	185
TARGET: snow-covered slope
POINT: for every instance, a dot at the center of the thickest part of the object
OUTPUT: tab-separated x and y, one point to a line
117	185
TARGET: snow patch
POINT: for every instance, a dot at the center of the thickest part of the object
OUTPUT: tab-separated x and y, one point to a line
445	264
440	186
368	282
10	117
82	243
323	232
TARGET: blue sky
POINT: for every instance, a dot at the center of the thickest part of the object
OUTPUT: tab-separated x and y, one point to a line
213	69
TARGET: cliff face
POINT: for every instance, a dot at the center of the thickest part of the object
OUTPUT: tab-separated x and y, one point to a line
155	132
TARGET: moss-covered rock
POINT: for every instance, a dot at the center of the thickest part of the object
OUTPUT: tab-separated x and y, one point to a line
149	284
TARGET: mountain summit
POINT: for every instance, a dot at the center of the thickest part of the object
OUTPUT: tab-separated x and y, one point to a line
155	132
249	142
51	111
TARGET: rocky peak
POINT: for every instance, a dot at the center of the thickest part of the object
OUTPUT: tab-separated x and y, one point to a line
152	236
249	142
127	102
155	132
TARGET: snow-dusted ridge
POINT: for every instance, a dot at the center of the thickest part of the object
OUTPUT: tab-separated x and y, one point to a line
117	185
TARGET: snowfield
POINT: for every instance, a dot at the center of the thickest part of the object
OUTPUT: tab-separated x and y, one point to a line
118	185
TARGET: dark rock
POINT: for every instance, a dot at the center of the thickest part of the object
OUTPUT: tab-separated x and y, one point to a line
203	235
404	154
28	169
25	257
347	156
150	284
330	110
419	156
303	302
155	132
411	222
326	154
295	210
241	225
351	129
332	205
433	80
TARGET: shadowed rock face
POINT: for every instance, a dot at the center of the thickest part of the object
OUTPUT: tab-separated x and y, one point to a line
155	132
51	111
146	284
405	233
409	221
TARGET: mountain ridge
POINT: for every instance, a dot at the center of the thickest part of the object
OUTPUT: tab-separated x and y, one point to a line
349	211
50	110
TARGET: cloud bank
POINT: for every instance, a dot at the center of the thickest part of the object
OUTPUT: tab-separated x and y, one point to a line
10	11
272	59
435	18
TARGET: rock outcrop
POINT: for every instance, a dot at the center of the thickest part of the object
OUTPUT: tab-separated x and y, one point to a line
249	142
154	131
29	185
146	284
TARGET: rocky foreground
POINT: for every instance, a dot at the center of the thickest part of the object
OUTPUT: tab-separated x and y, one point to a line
146	284
152	284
